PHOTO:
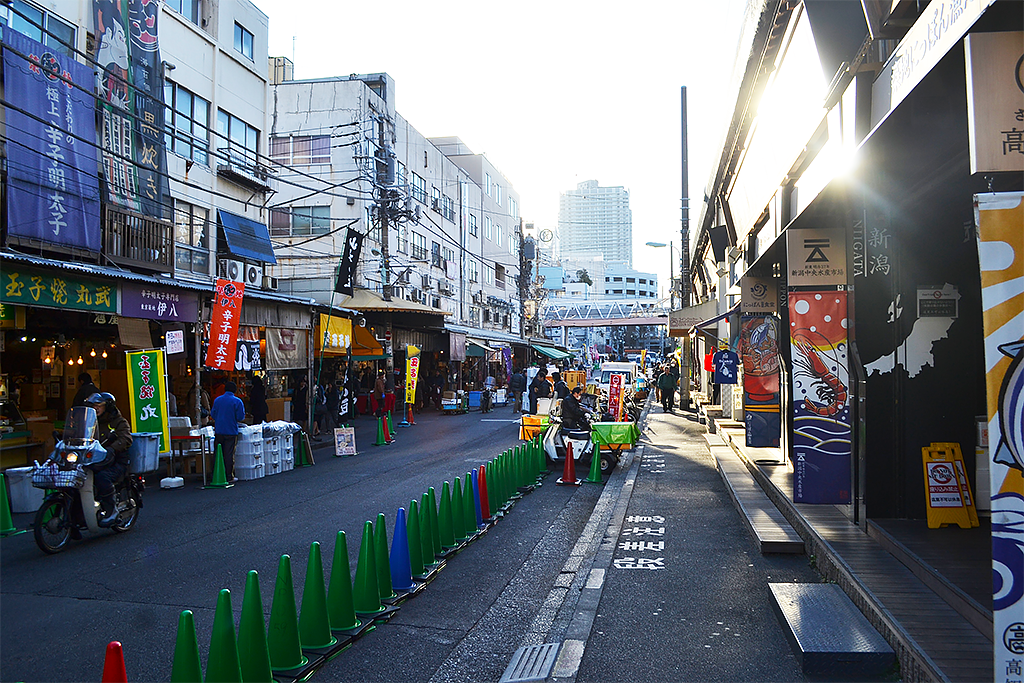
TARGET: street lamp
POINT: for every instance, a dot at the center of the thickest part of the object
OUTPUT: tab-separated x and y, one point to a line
671	275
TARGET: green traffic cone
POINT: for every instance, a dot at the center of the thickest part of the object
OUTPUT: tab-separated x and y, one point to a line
381	440
283	638
383	559
220	479
222	663
492	488
469	505
391	425
314	624
458	513
340	608
365	594
253	653
594	477
435	524
426	535
444	518
7	527
412	534
186	667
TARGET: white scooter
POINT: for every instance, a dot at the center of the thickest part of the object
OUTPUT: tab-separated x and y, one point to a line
583	447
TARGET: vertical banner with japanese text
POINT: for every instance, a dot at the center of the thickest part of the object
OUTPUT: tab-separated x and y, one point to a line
346	281
1000	220
412	371
227	308
147	394
615	395
759	349
147	77
506	354
822	436
53	192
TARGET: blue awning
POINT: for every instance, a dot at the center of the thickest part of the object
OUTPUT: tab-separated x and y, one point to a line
246	238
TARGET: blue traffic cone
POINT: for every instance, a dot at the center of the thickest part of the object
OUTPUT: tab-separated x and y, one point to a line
401	564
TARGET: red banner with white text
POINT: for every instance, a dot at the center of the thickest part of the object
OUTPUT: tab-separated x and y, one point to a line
227	309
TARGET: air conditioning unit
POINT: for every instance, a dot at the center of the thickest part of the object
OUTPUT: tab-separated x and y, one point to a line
270	283
478	298
229	269
403	277
426	282
435	205
445	287
253	275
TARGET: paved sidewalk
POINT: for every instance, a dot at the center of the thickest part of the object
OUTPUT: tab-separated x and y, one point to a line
677	590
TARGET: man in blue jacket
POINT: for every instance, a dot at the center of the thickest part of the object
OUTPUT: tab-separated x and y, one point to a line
227	411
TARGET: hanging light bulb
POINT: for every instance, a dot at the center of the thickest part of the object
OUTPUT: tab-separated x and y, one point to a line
104	353
47	360
80	361
92	352
71	361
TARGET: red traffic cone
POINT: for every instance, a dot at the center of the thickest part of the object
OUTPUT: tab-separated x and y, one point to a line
388	438
412	420
113	665
569	473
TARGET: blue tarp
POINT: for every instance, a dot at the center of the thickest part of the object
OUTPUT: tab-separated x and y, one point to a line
246	238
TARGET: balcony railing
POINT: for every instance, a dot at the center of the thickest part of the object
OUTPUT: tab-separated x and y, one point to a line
137	241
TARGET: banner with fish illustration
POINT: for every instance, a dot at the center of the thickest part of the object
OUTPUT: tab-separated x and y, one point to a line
759	349
822	437
1000	220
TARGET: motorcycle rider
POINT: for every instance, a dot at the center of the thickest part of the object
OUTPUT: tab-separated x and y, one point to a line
115	435
573	410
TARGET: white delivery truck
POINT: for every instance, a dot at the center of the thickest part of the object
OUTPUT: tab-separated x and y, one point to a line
631	370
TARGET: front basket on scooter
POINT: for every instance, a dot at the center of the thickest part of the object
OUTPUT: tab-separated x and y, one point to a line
50	476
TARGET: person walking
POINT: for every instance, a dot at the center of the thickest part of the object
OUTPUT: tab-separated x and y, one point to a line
517	386
561	388
332	407
300	403
667	385
86	389
258	401
379	390
227	412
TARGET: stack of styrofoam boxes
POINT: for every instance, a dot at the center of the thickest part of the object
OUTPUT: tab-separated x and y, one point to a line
288	452
272	454
249	462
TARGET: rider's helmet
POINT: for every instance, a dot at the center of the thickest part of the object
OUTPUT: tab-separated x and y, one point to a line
103	398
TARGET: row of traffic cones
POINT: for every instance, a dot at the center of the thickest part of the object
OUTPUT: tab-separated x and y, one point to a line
386	431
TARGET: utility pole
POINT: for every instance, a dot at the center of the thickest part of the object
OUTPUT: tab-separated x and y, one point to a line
383	208
525	271
684	260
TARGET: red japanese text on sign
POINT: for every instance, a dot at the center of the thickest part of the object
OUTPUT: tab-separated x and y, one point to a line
224	325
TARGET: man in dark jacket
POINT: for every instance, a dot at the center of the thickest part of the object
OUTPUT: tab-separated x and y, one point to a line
539	388
561	388
573	411
517	385
115	435
85	391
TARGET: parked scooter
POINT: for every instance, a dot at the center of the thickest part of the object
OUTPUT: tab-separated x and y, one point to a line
71	506
583	446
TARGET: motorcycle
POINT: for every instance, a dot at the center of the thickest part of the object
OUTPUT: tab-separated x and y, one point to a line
71	505
583	447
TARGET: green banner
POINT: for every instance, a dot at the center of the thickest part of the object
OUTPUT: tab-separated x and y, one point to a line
32	287
147	392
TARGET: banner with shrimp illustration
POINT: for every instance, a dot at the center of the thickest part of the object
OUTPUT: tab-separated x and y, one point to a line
822	440
1000	219
759	348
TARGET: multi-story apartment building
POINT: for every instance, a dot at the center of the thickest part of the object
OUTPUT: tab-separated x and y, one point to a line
595	218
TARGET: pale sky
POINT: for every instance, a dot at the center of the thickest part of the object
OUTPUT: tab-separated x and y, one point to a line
553	92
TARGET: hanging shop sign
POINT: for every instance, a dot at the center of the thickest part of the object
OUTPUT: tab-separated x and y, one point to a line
286	349
995	95
174	342
53	192
457	346
822	436
758	295
506	353
12	317
147	394
816	257
248	356
31	287
726	364
335	334
759	350
345	282
1000	220
227	305
681	320
158	303
412	371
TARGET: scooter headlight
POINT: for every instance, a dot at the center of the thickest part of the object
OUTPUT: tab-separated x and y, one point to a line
72	457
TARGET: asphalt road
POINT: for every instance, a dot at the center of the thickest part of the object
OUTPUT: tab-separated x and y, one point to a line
58	613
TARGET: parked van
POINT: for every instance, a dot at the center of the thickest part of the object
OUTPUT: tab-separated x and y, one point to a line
631	370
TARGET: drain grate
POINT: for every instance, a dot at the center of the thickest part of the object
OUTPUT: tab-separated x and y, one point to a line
532	663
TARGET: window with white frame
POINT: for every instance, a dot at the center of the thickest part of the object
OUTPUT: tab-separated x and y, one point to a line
472	225
497	194
243	41
300	220
399	173
39	24
191	238
419	247
448	208
488	274
497	236
435	199
301	150
499	275
487	184
487	227
419	189
513	208
187	122
238	142
448	254
186	8
472	271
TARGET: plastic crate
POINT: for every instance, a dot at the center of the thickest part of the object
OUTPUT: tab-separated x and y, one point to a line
250	473
271	447
24	497
287	464
248	460
272	468
474	399
144	453
249	447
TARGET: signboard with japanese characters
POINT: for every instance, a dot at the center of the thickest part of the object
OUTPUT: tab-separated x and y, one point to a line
147	392
938	302
412	372
758	295
158	303
174	342
227	308
615	383
817	257
37	288
995	100
335	334
53	192
344	441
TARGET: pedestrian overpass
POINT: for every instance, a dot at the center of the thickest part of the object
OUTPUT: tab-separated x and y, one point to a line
605	313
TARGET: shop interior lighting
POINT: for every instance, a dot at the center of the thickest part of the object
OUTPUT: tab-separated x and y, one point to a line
104	353
24	339
80	361
71	361
47	360
92	352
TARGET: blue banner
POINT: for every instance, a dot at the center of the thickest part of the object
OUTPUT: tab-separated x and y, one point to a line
53	193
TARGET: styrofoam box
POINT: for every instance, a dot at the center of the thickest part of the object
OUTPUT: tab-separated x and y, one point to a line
273	467
250	473
248	460
272	444
24	496
249	447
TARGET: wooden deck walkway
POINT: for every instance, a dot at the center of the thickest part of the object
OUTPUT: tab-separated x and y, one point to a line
933	640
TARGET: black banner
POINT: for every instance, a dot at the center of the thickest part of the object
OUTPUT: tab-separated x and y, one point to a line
345	284
149	105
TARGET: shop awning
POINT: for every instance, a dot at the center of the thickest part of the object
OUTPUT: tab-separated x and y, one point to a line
365	300
717	318
365	347
246	238
476	348
550	352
